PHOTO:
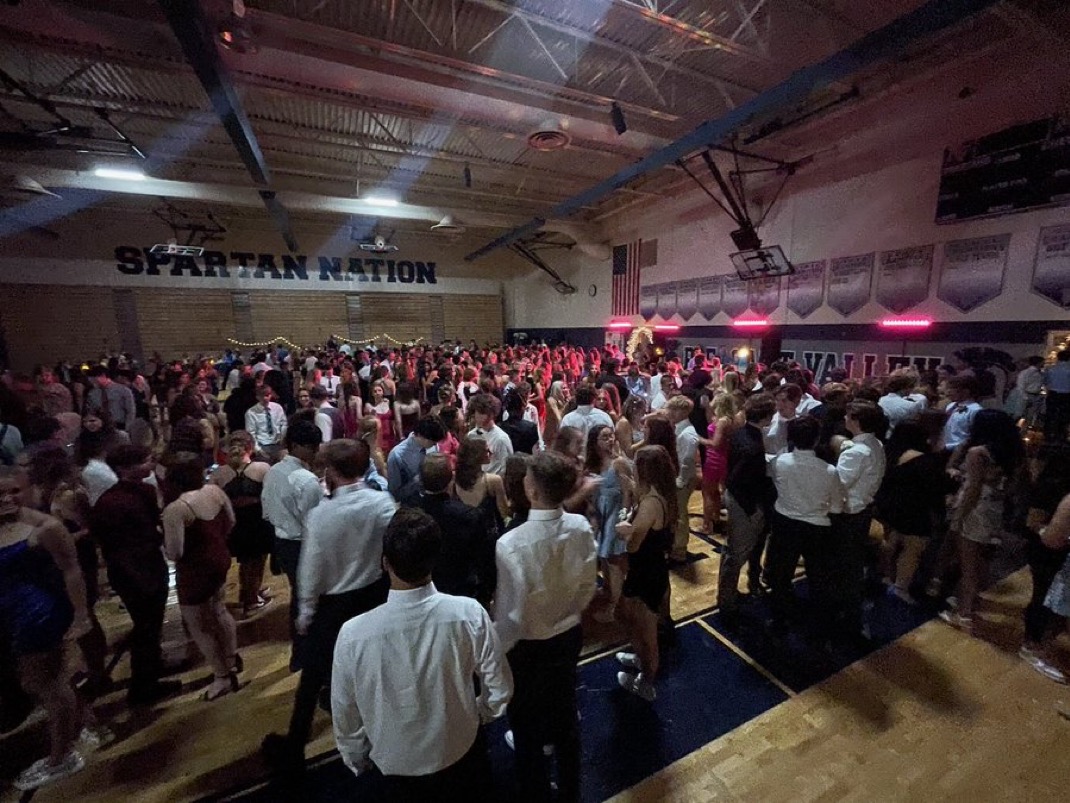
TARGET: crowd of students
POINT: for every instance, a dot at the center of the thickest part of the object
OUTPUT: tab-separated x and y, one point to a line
449	512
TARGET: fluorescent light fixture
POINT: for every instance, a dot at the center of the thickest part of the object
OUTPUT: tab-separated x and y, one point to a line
666	327
620	325
906	323
751	323
378	200
123	174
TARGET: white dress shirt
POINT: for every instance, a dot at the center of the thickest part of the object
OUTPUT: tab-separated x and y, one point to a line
401	690
343	545
266	433
500	447
331	383
807	487
959	421
658	401
324	422
97	476
775	436
806	404
898	409
547	571
687	454
585	418
290	492
861	469
1030	381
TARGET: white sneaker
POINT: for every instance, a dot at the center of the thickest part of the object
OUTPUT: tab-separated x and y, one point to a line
637	685
42	772
629	660
956	620
1050	671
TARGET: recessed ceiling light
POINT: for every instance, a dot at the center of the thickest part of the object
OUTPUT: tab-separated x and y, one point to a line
119	173
375	200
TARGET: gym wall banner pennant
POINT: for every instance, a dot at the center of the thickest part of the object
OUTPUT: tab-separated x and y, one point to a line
687	298
972	270
850	283
806	287
903	277
132	261
648	301
709	296
1051	271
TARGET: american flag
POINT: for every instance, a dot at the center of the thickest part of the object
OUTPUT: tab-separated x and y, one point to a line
625	294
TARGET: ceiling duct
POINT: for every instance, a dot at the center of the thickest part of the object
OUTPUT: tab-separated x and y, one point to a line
549	136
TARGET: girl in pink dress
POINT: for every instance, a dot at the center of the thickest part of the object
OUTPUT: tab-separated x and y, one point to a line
722	412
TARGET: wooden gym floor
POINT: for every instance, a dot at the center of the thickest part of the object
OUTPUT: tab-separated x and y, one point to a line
934	715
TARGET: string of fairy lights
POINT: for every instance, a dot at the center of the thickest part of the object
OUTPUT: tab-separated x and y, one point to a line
1061	347
368	341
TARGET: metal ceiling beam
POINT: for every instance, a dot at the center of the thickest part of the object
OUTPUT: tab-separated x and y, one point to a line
366	52
688	31
197	41
609	44
931	18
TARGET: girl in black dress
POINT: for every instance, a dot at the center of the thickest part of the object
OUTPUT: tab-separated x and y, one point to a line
649	536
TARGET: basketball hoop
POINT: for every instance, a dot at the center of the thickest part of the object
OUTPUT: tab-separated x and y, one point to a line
174	249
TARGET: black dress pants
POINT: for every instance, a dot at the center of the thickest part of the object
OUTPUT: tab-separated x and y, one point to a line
287	553
851	539
543	712
145	597
333	611
468	780
789	540
1044	564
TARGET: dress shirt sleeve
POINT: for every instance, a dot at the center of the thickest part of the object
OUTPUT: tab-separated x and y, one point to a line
250	425
280	423
509	598
350	735
323	421
394	479
495	678
589	578
688	465
308	571
849	466
129	410
308	494
836	492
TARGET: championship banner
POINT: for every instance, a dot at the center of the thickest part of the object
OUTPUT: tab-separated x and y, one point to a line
904	277
806	287
687	298
709	296
648	301
764	294
734	299
667	300
1051	272
971	271
850	283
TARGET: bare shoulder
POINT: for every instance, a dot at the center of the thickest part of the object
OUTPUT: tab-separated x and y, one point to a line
257	470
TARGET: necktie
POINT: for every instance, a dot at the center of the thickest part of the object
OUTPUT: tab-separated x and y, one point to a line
270	423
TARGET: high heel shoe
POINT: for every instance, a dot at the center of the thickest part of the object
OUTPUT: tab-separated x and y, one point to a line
233	686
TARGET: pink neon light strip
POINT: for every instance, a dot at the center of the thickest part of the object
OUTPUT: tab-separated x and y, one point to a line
620	325
753	323
666	328
906	323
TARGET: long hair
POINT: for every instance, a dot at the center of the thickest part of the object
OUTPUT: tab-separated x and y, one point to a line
471	455
593	462
660	432
653	466
995	430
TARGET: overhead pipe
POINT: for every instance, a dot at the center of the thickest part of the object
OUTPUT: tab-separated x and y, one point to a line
929	19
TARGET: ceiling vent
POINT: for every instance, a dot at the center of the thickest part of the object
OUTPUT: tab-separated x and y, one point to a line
448	226
548	137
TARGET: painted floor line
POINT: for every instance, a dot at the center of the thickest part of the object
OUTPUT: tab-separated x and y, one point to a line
747	659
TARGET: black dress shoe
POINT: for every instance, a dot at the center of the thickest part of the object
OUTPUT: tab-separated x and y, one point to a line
282	756
154	693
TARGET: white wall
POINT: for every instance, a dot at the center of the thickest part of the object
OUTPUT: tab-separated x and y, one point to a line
532	302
